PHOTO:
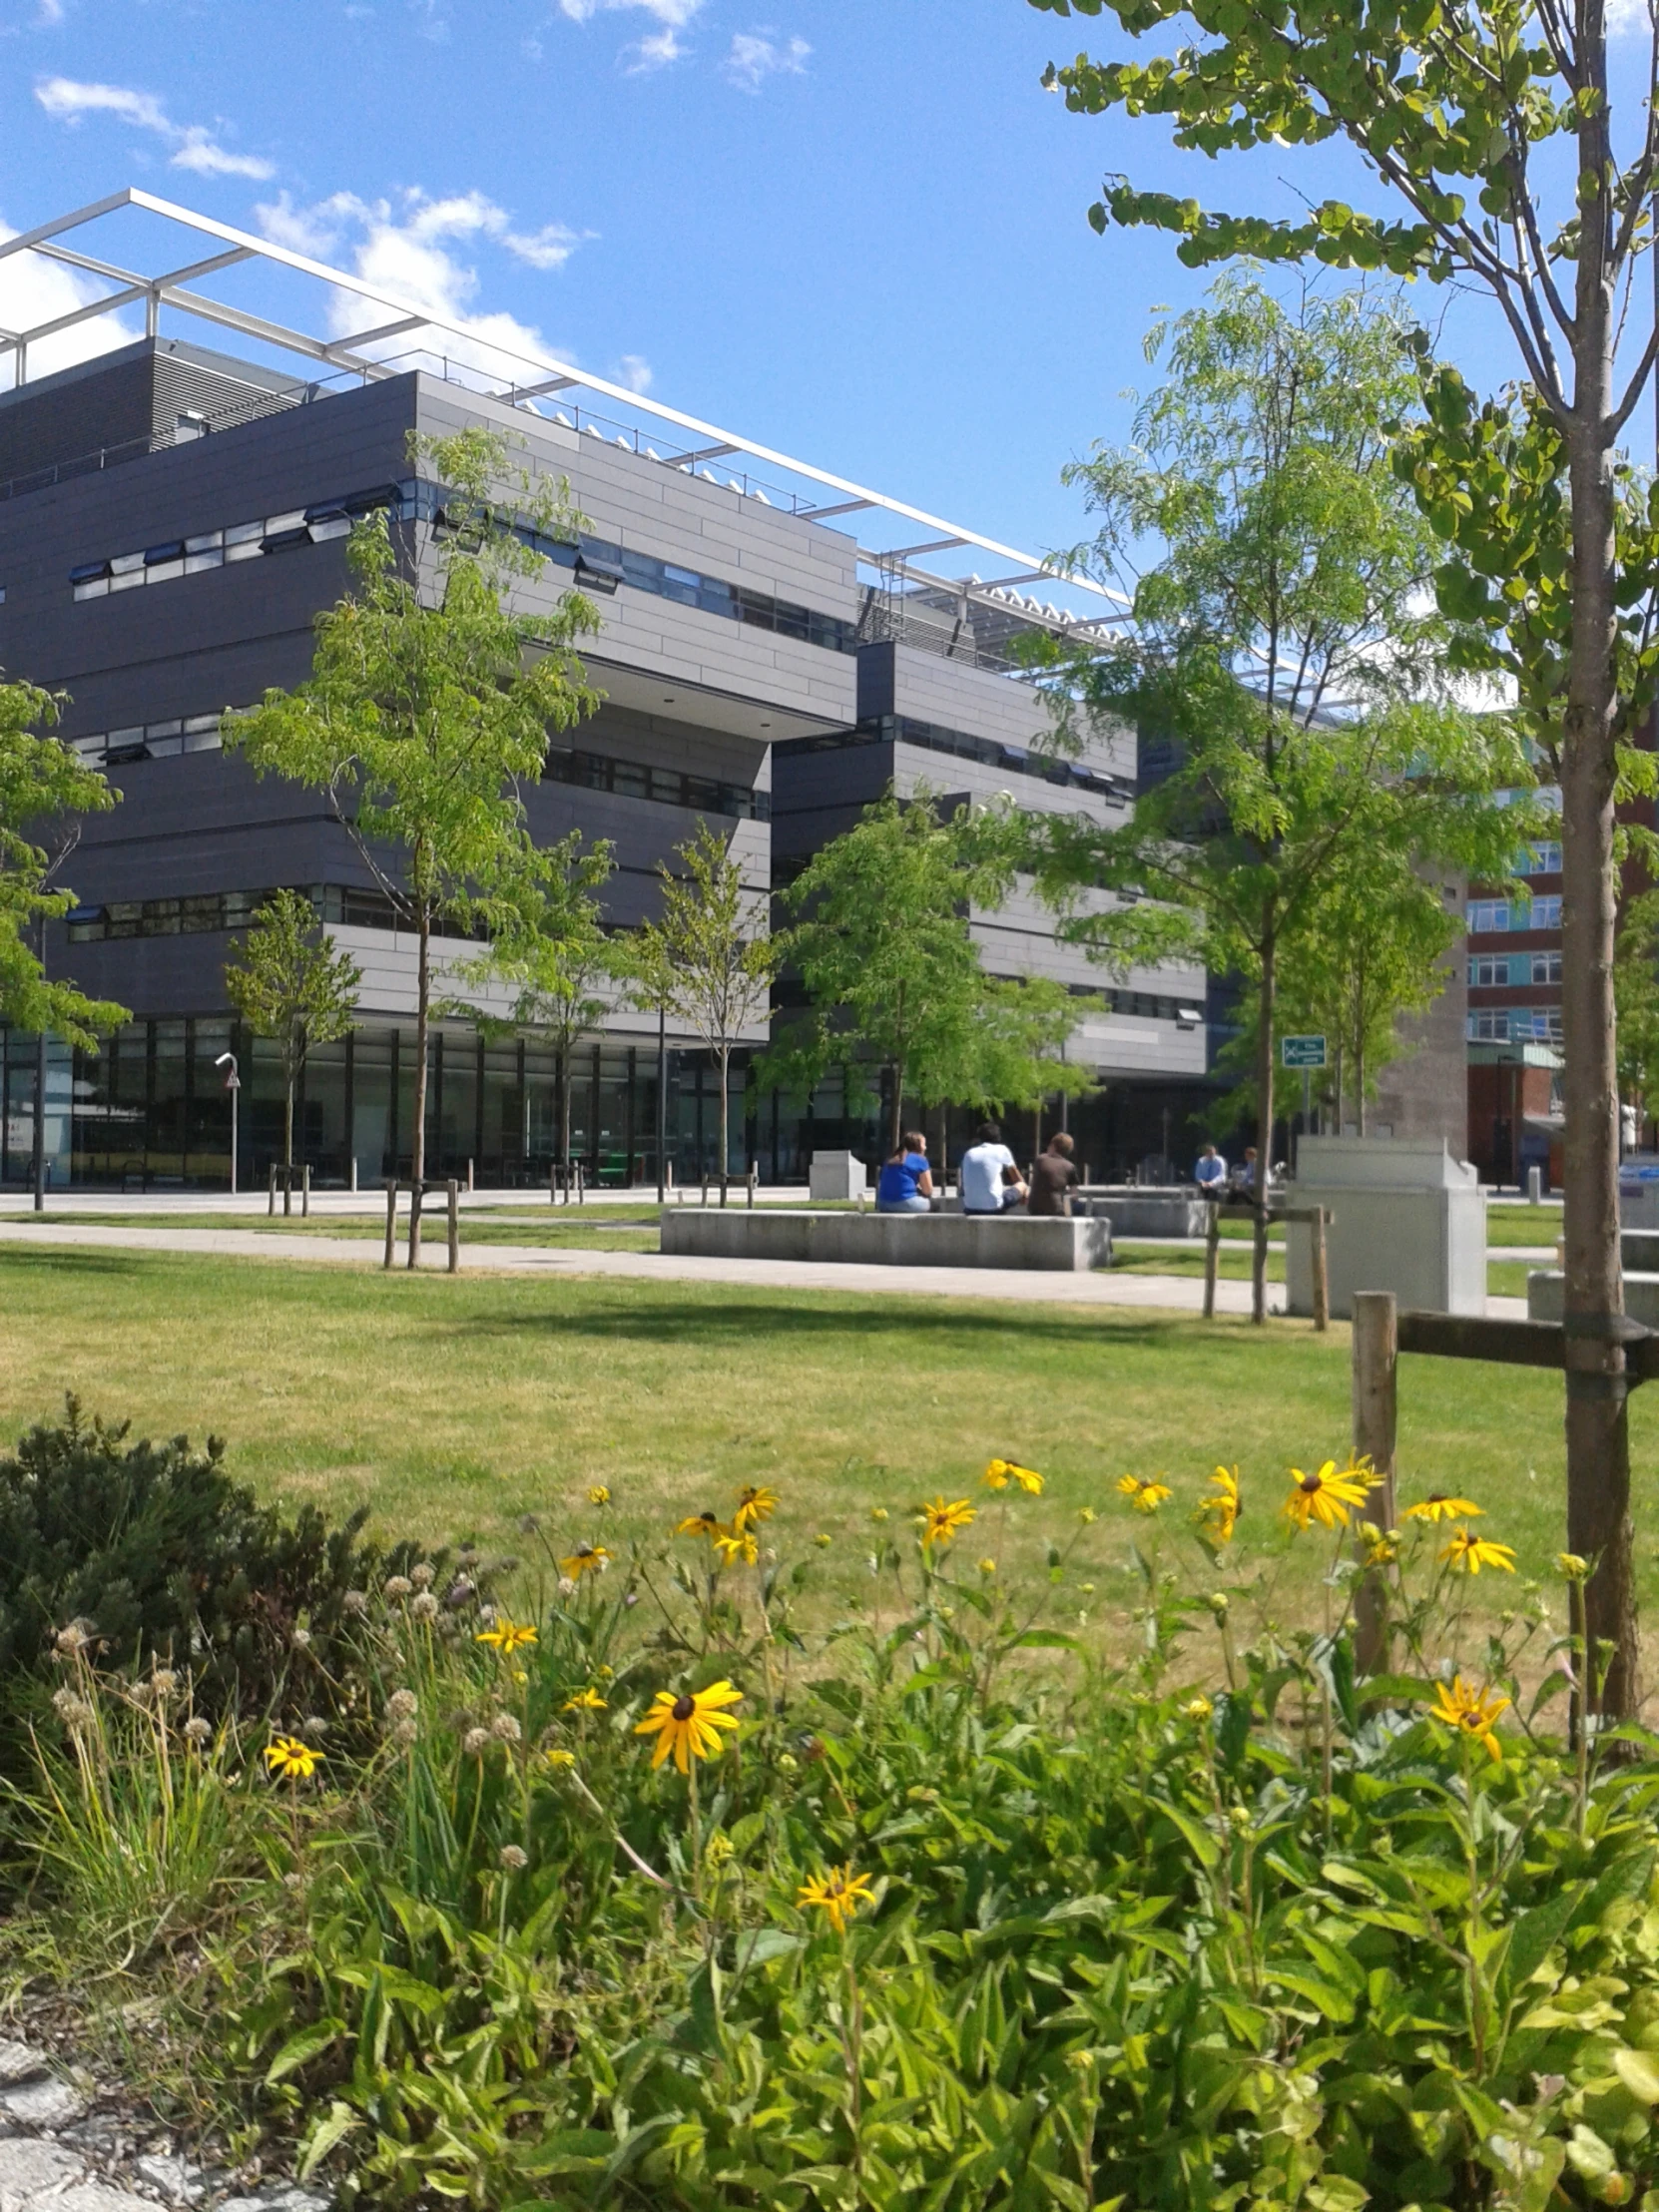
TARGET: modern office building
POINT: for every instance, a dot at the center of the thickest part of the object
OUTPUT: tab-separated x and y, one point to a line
1514	1020
173	517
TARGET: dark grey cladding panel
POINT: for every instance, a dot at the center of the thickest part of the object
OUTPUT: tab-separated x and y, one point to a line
191	683
151	975
839	777
347	442
793	835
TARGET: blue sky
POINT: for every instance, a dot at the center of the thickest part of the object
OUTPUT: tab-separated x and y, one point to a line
851	228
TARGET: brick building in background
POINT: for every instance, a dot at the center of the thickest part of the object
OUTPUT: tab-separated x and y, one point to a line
1514	1020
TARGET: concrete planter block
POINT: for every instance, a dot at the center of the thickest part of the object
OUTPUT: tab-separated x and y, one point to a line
1406	1218
887	1240
1545	1296
835	1174
1145	1211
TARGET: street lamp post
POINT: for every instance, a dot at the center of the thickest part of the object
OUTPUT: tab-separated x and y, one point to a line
233	1083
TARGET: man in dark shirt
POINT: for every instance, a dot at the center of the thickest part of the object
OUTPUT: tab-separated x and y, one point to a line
1053	1178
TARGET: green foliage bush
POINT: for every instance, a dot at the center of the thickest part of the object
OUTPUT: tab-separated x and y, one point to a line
962	1914
154	1553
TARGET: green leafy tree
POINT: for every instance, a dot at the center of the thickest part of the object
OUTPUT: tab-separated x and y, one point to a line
554	955
290	983
1375	955
430	701
1515	161
706	957
42	783
884	946
1636	990
1280	649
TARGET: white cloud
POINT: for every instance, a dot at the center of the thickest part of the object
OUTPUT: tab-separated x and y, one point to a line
634	372
673	14
654	51
407	252
1625	16
194	147
48	14
755	56
34	291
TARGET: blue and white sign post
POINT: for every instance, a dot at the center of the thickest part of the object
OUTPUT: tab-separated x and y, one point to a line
1305	1053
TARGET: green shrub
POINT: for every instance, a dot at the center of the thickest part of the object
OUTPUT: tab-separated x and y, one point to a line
154	1554
961	1916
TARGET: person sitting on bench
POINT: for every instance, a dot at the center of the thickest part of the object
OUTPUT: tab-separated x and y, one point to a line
991	1184
905	1184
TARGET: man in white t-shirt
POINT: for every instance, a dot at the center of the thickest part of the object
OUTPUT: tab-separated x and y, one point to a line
990	1182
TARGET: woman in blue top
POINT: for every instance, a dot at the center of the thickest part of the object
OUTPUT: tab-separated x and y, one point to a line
905	1184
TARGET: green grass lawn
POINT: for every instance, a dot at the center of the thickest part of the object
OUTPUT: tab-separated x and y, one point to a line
608	1229
1523	1225
454	1407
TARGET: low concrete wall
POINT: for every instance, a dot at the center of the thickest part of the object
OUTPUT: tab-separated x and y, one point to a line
887	1240
1137	1211
1545	1299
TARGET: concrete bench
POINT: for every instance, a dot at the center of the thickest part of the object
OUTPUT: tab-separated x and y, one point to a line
1546	1297
887	1240
1146	1210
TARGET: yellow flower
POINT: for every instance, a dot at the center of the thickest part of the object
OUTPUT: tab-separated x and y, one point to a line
1468	1554
941	1521
561	1759
1439	1508
599	1494
698	1524
879	1514
292	1759
1198	1708
507	1635
688	1724
839	1894
1572	1566
1221	1511
987	1566
754	1505
1382	1544
1085	1513
585	1559
1327	1495
824	1540
1472	1712
736	1546
1001	1472
1144	1495
585	1701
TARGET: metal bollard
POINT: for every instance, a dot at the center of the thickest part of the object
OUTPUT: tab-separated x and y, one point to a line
452	1192
391	1219
306	1192
270	1194
470	1182
1534	1186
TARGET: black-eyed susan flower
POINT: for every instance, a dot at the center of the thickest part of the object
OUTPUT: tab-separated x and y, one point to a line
1218	1516
292	1759
1198	1708
838	1895
688	1724
599	1494
558	1759
1382	1545
1327	1495
987	1566
585	1701
1001	1472
585	1559
1144	1492
1440	1508
1471	1711
1468	1554
698	1524
941	1520
736	1546
506	1634
756	1503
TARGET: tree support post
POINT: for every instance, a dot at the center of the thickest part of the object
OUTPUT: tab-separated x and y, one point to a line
452	1192
1376	1407
391	1219
1322	1280
306	1192
1212	1257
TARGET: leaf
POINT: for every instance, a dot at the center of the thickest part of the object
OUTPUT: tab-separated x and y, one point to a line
331	2129
1535	1936
303	2046
1639	2071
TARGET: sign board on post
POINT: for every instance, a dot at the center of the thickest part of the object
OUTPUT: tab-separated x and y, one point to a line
1302	1052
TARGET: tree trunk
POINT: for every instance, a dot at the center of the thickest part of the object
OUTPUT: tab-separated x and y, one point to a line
1264	1128
895	1119
564	1118
725	1065
1598	1441
423	1012
1358	1069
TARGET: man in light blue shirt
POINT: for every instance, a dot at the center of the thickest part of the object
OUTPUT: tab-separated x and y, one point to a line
987	1166
1211	1173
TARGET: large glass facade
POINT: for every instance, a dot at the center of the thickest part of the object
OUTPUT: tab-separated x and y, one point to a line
151	1111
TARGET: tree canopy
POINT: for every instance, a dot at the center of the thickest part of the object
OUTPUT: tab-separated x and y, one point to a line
290	985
